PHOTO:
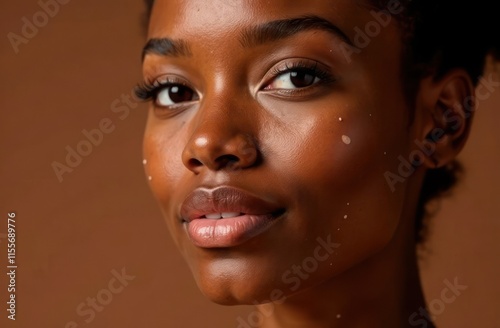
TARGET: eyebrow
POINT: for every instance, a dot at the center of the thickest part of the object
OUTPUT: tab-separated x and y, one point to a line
281	29
251	36
166	47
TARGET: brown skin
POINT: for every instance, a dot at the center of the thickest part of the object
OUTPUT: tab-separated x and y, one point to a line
288	148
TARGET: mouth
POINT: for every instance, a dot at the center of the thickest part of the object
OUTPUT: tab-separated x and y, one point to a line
226	217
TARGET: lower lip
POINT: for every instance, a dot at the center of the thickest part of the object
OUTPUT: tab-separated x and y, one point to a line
228	232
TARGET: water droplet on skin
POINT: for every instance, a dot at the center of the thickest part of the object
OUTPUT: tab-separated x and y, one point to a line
338	229
345	216
339	316
150	178
346	140
340	119
385	153
347	204
144	161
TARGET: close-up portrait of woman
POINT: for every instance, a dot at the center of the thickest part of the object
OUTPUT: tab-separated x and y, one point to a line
250	164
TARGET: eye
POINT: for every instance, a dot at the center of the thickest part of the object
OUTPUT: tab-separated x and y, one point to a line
294	79
169	93
172	94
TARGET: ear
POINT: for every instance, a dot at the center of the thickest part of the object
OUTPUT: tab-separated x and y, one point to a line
446	109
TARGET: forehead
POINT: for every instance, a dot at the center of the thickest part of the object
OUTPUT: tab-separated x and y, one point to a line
182	18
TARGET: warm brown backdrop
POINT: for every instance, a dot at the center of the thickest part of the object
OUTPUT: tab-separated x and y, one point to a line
71	235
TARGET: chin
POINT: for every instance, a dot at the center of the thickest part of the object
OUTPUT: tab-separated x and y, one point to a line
234	287
227	298
235	293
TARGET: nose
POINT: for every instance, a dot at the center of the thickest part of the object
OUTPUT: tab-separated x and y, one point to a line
221	140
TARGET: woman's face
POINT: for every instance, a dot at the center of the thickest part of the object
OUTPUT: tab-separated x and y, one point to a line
271	99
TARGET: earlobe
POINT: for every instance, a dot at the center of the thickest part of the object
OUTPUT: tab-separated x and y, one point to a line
448	124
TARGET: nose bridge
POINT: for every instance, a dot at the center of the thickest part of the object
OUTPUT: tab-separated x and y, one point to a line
222	133
220	107
221	114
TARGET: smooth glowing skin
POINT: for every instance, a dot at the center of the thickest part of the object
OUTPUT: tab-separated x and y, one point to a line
289	149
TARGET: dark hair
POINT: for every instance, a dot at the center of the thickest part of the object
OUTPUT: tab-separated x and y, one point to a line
439	35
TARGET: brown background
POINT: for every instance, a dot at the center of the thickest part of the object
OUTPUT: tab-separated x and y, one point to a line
72	234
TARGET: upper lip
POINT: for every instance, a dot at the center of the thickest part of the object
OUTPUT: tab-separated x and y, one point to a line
203	201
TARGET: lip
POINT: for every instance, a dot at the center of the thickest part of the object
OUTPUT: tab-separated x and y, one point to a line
256	216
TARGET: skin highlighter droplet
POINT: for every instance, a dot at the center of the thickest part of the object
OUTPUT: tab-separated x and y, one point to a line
346	140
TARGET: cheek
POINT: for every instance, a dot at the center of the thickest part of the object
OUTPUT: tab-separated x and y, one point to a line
334	171
164	168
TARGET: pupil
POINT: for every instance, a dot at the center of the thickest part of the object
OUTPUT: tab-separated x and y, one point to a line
301	79
180	93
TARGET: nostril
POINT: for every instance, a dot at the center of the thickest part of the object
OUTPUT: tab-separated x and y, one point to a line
193	162
228	161
220	153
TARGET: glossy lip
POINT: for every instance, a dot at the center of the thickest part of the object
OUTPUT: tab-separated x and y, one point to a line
256	216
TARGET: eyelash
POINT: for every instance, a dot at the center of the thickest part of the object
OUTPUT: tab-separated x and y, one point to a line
148	90
310	67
